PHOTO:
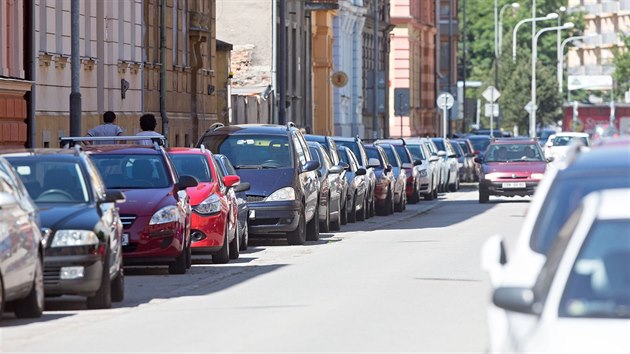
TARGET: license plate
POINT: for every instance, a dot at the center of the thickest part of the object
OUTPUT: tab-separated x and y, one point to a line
124	240
514	185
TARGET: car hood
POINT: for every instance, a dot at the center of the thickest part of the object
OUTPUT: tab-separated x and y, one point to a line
263	182
580	335
143	202
67	216
201	191
518	167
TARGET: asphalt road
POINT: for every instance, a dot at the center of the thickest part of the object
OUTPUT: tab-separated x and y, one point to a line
405	283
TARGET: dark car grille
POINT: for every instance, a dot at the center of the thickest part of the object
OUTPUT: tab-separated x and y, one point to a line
51	275
127	220
513	177
255	198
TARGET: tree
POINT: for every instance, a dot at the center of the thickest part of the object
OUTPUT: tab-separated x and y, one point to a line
622	67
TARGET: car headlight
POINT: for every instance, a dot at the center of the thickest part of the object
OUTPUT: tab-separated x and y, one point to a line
536	176
491	176
164	215
423	173
287	193
65	238
210	205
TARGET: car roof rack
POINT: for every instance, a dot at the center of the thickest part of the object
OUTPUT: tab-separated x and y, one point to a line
71	141
291	125
215	126
203	148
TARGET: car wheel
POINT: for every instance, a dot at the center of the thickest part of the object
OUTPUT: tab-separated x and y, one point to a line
343	213
435	194
336	225
398	207
325	225
222	256
245	238
452	187
1	297
312	228
189	256
235	247
415	195
32	305
298	236
362	213
373	206
103	297
118	287
483	197
352	215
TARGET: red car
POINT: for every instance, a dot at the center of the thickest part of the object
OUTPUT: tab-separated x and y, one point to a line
511	167
156	214
215	227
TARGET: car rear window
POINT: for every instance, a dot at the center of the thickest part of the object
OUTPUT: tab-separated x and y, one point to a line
253	151
402	153
373	154
354	146
391	156
132	171
566	140
195	165
480	144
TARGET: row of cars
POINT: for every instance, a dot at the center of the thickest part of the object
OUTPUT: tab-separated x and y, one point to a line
565	285
85	210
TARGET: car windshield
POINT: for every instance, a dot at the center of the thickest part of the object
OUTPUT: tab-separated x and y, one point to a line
464	147
480	144
343	155
599	283
513	152
417	152
195	165
402	153
566	140
440	145
372	153
254	151
132	171
391	156
563	198
354	146
458	149
50	181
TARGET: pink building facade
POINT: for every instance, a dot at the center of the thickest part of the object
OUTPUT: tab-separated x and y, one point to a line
412	65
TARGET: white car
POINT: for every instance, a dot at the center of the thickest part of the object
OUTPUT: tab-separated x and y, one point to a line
427	170
557	195
558	144
580	302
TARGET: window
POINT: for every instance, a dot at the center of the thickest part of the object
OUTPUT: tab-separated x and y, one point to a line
49	181
192	165
132	171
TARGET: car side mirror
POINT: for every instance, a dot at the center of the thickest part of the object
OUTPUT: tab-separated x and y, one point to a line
388	168
114	197
310	166
361	171
186	182
493	258
516	299
231	180
242	187
478	160
337	169
433	158
550	159
374	162
417	162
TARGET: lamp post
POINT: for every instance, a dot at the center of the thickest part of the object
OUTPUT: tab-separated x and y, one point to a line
561	58
532	112
561	10
550	16
514	6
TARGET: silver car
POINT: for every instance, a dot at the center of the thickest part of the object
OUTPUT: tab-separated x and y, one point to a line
21	262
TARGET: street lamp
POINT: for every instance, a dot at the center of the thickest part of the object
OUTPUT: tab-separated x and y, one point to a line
550	16
514	6
560	11
533	107
561	57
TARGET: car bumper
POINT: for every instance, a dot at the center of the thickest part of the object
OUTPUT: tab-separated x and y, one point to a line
207	232
86	285
274	217
153	244
497	188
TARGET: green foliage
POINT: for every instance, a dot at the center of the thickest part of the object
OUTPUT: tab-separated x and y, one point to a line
622	67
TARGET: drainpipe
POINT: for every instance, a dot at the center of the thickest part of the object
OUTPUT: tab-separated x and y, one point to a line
31	134
163	113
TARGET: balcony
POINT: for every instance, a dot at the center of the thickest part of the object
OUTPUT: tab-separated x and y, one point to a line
593	9
610	7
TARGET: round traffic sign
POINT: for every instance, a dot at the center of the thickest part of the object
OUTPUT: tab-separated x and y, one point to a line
339	79
445	100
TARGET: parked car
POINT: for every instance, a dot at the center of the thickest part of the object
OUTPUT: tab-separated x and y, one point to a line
497	133
226	169
558	144
385	179
556	197
580	299
544	134
469	152
330	190
214	226
465	162
156	216
400	187
355	176
428	170
410	166
480	144
356	145
451	162
21	248
83	255
284	187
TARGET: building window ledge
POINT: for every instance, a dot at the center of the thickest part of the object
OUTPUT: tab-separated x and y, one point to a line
45	58
61	61
88	63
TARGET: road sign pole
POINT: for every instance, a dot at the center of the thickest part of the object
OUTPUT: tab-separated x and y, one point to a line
444	121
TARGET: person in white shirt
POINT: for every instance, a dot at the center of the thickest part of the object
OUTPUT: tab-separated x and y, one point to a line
147	124
108	128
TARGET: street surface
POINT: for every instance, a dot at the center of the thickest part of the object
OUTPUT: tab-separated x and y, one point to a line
410	282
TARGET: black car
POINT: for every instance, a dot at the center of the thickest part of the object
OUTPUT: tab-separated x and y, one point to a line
330	189
275	160
83	255
356	145
226	169
355	176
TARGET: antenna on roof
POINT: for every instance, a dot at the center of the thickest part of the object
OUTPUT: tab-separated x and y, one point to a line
290	125
203	148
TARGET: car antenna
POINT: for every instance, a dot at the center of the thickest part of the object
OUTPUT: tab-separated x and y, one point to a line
290	125
203	148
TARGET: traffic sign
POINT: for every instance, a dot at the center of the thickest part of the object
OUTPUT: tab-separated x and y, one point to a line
530	107
401	101
339	79
491	94
492	108
445	100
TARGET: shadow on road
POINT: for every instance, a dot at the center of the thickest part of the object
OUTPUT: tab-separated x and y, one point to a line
9	319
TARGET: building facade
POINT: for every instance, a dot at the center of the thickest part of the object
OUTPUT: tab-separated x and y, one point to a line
14	87
412	66
322	32
447	55
348	96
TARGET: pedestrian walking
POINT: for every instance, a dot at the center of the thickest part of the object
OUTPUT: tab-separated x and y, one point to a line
147	124
108	128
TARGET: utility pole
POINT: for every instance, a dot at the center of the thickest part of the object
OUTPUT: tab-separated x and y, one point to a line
75	67
375	127
464	65
532	112
281	68
450	61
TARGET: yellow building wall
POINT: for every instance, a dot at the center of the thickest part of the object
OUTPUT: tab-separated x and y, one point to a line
322	29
